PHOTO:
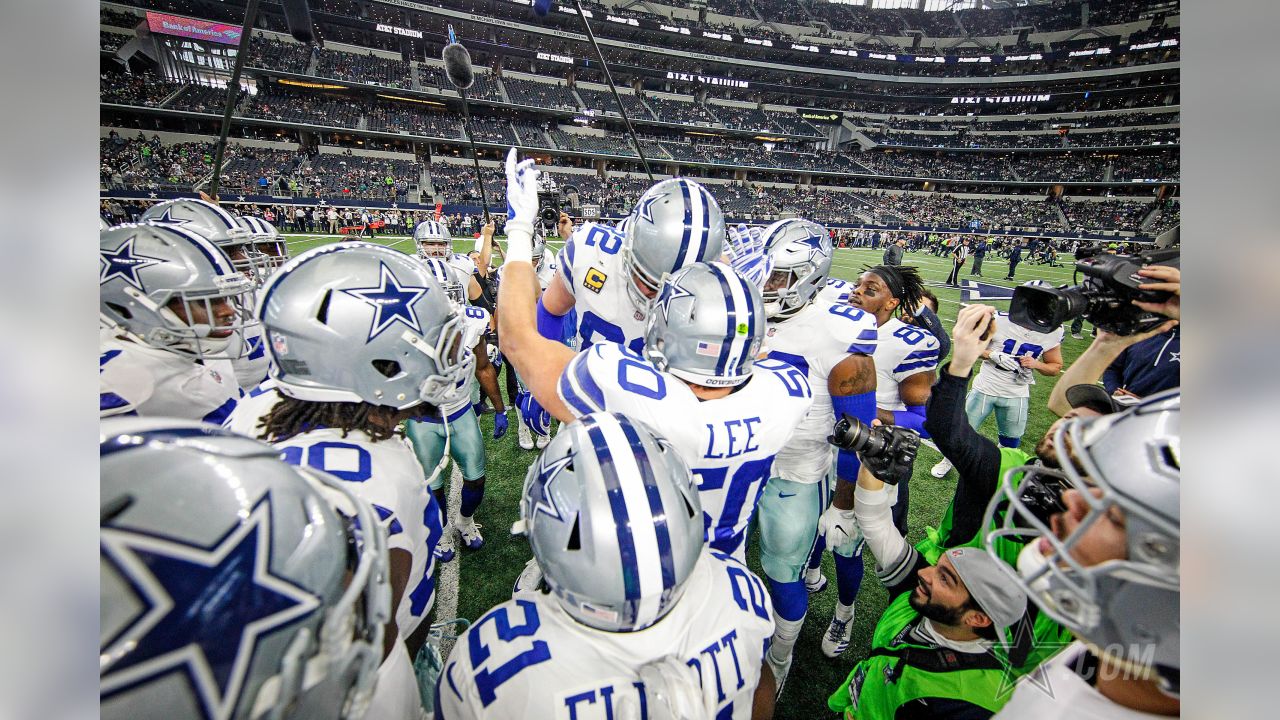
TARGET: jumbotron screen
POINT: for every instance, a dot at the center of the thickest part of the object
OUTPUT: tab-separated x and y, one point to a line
194	29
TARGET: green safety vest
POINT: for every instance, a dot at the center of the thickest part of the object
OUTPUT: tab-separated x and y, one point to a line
899	671
1049	636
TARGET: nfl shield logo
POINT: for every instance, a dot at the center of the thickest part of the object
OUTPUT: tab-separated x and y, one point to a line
279	344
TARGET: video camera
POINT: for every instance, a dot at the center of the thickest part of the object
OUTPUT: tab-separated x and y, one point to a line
1105	298
549	204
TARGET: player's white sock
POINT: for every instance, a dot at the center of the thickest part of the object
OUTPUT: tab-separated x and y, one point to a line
785	634
844	612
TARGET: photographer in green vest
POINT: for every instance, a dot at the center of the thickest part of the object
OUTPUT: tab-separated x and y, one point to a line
940	648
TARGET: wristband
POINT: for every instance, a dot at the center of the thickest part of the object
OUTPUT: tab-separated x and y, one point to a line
550	325
520	241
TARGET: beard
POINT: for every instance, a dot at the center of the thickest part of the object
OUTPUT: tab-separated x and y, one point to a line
936	612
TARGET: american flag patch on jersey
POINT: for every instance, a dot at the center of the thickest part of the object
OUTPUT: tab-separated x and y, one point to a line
706	348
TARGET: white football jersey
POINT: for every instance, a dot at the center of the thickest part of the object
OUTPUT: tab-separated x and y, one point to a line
475	322
902	351
815	340
591	267
386	473
137	378
836	291
1017	341
729	443
526	658
545	271
1054	691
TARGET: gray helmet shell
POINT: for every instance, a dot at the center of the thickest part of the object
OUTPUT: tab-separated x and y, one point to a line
1129	608
614	520
200	216
233	585
358	322
432	239
674	224
706	326
144	267
800	253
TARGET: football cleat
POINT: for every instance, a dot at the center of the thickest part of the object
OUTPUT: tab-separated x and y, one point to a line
780	670
941	469
836	639
469	529
526	435
445	550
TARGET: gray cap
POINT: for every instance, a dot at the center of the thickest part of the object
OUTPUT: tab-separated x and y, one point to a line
1000	598
1093	397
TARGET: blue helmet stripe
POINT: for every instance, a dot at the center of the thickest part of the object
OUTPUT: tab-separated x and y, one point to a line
688	223
617	503
214	254
655	504
705	227
731	319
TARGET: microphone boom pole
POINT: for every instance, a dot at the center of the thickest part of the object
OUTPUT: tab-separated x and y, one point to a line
457	67
631	132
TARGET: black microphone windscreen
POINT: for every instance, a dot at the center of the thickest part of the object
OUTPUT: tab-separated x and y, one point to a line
298	17
457	65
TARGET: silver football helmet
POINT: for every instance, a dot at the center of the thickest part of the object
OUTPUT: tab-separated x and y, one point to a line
358	322
102	223
800	251
447	277
200	216
172	289
706	326
234	585
674	224
432	239
269	252
1127	608
613	516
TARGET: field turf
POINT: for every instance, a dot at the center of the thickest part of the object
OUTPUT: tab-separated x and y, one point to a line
484	578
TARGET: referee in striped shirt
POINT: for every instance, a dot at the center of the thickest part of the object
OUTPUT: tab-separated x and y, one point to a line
958	257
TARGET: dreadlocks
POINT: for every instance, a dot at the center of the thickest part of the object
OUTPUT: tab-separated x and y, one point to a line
904	283
292	417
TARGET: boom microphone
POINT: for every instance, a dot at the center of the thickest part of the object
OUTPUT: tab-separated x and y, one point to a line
457	67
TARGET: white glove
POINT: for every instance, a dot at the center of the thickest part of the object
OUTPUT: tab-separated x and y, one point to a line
522	207
1005	361
838	527
671	690
530	580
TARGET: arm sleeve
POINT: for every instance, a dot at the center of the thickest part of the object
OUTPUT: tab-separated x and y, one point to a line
896	561
976	459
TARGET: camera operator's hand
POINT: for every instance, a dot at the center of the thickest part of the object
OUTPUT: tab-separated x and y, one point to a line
565	226
969	337
1170	280
486	231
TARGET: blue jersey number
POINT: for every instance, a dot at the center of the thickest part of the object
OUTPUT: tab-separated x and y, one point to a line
846	311
641	379
795	381
318	457
754	596
593	325
747	482
910	335
476	313
488	681
609	240
1023	349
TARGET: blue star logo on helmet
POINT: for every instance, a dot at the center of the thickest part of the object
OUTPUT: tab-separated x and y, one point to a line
124	263
167	218
670	291
201	610
644	208
540	488
392	302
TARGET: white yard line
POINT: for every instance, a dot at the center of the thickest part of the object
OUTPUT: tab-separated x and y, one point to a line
451	572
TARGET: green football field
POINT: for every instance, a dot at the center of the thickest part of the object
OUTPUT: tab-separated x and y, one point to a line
478	580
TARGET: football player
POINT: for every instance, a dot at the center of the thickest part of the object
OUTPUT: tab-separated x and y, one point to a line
362	338
221	569
1107	566
1003	385
832	345
906	360
698	380
636	617
170	305
456	427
